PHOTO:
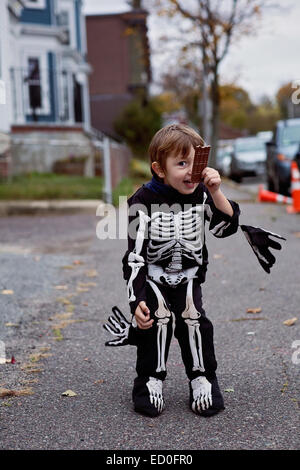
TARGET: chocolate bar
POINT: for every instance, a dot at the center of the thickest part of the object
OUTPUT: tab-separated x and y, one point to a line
200	162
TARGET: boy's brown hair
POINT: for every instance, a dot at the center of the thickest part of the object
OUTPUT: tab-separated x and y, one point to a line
175	138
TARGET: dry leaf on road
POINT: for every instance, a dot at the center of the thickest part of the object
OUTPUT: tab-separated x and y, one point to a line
254	310
69	393
87	284
5	392
290	321
7	292
91	273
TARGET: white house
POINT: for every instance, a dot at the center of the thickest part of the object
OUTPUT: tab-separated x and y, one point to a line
44	95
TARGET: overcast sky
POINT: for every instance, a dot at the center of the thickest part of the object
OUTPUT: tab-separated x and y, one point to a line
260	63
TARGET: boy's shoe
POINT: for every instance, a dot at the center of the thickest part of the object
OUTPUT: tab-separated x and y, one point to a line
147	396
205	396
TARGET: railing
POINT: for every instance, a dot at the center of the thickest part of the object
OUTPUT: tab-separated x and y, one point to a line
45	95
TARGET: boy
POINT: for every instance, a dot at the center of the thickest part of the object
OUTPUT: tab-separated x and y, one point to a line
165	265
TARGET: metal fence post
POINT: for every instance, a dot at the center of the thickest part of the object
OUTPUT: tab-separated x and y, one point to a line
107	171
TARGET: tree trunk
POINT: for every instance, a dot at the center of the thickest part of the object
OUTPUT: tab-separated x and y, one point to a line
205	109
215	97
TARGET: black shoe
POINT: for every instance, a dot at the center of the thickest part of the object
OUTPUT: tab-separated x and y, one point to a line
147	396
205	396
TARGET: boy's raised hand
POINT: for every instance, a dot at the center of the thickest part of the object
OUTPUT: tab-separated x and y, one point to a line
211	179
142	316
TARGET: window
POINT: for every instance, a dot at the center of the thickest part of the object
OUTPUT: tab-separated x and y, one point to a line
36	82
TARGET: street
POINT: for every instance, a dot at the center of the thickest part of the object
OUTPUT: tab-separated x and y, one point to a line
58	285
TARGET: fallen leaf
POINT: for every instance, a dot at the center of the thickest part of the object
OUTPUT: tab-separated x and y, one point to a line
87	284
77	261
63	301
91	273
68	267
12	324
61	316
229	390
100	381
57	334
61	287
254	310
297	234
290	321
82	289
5	392
69	393
217	256
248	318
7	292
70	308
38	356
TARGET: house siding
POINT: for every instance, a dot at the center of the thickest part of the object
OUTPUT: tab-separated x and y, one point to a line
38	16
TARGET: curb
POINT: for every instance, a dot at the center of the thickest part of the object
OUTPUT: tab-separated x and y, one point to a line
8	208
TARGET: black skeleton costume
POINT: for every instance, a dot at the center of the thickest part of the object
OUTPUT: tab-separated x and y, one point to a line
165	265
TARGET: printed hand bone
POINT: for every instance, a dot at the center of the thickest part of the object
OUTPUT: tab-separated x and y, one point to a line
118	326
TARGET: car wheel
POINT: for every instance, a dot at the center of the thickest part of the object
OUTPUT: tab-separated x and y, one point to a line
236	178
280	188
270	184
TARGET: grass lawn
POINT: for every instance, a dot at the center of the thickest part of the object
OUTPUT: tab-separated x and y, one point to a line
42	186
51	186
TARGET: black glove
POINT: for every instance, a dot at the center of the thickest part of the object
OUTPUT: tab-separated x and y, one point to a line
120	327
260	243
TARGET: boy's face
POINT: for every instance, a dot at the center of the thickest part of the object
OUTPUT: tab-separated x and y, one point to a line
178	171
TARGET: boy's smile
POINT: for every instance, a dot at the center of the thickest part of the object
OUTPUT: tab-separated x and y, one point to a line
178	171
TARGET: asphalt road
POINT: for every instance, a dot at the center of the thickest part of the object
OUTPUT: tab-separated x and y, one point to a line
58	284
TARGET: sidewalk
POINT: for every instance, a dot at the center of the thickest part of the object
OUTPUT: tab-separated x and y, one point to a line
39	207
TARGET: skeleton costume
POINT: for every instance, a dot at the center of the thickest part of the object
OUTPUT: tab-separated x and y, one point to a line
165	265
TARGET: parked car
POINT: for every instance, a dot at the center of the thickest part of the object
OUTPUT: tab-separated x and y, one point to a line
248	158
281	150
265	135
224	159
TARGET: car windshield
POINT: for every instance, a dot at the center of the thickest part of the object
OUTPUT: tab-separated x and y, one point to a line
250	145
290	135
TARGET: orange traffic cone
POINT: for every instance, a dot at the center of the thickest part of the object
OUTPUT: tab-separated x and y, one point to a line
295	189
269	196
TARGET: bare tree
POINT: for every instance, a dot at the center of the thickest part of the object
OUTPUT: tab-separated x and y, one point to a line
215	25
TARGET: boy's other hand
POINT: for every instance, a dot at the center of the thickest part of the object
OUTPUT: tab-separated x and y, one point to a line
142	316
211	179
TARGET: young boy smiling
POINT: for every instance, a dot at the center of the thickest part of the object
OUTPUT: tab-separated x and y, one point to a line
165	265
